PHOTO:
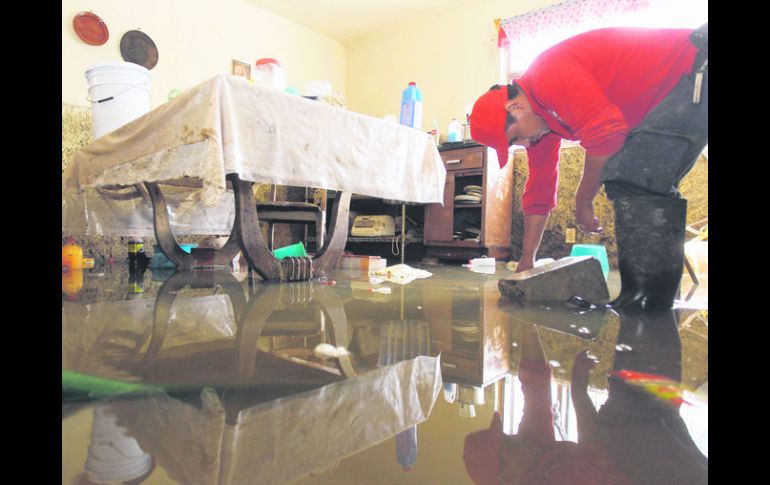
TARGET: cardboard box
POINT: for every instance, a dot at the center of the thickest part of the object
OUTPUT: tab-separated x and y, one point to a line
363	263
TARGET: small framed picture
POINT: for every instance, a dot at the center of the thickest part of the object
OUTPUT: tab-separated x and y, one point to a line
242	69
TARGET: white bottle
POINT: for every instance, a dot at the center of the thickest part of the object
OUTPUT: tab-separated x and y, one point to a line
454	131
482	261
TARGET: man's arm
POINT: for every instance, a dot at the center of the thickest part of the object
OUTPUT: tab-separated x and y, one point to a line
539	196
584	409
589	186
534	227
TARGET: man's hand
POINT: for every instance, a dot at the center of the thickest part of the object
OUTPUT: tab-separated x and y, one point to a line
524	264
587	189
586	220
581	369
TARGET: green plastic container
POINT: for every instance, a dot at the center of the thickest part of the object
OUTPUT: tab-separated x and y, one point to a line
295	250
597	251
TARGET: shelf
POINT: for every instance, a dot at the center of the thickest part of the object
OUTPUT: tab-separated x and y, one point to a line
465	243
385	239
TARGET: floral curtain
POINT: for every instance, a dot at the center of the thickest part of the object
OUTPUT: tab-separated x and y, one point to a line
524	36
565	16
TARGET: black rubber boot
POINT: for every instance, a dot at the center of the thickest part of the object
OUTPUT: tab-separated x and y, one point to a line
650	234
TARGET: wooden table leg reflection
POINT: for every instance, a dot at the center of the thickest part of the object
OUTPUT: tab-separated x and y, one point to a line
270	298
165	300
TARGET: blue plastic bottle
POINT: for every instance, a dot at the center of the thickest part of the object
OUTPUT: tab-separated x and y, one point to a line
411	106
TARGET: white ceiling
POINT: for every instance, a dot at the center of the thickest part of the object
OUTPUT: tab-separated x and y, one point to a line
346	20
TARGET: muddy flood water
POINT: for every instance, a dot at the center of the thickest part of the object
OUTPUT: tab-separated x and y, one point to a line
213	377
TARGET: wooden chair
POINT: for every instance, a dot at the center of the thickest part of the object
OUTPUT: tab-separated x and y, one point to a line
288	212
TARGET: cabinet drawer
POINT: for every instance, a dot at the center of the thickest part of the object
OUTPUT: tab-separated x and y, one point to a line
462	159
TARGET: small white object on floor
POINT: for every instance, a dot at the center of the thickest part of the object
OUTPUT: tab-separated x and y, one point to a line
385	290
402	273
329	351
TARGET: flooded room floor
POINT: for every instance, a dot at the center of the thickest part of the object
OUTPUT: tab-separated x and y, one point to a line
211	377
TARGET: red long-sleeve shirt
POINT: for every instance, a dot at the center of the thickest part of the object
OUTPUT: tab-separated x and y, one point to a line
596	87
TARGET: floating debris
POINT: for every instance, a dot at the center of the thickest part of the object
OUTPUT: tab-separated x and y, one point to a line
623	348
385	290
328	351
584	330
581	303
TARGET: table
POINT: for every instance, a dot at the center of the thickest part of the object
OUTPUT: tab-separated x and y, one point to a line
226	134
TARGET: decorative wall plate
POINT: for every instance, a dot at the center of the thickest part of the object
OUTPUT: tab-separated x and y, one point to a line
138	47
90	28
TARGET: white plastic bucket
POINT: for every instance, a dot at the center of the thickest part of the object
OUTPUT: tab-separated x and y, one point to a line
119	92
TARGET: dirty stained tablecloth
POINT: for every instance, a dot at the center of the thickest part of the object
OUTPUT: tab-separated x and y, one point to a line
227	125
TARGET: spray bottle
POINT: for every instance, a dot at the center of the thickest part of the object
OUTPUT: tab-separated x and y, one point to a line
411	106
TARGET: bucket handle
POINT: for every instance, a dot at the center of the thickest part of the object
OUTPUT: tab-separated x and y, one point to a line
108	98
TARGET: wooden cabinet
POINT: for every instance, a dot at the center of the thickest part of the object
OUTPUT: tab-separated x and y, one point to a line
461	229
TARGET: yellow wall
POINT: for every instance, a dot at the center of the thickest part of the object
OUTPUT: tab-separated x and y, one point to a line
196	39
452	54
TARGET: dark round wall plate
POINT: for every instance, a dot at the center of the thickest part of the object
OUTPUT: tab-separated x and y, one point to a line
90	28
138	47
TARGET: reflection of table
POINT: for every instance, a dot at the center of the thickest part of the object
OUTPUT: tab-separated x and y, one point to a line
253	319
222	440
226	131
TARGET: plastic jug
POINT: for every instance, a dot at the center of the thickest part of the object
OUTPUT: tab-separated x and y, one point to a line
72	283
455	134
411	106
270	73
71	256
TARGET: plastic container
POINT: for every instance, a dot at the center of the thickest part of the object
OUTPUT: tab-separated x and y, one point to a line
160	261
481	262
455	131
270	73
72	283
411	106
295	250
135	245
71	256
119	92
113	454
597	251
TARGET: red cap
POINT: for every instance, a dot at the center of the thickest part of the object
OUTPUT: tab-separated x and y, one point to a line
481	453
488	122
267	60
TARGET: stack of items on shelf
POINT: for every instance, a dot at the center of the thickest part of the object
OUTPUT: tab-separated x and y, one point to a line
467	226
471	195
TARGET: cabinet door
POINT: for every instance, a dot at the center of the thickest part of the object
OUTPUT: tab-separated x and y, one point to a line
438	218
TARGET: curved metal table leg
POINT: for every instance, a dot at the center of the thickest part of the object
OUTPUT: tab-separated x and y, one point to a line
327	257
254	247
168	243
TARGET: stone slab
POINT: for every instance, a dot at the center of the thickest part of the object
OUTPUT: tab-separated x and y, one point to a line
558	281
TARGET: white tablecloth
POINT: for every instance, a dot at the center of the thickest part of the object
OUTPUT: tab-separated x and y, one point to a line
227	125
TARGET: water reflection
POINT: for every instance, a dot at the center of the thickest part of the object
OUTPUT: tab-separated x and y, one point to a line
234	356
636	436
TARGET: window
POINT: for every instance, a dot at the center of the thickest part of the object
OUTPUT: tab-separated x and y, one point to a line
525	36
